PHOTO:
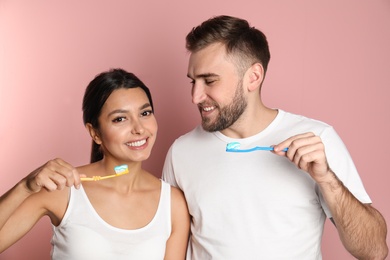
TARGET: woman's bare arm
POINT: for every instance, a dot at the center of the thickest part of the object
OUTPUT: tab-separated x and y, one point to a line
29	200
178	241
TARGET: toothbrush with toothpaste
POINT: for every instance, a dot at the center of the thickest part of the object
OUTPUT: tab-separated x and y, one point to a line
119	170
235	148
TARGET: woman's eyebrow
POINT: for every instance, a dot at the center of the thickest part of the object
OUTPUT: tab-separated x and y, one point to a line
123	111
118	111
146	105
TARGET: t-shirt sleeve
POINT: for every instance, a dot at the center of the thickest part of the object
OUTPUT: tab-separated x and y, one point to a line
168	172
342	165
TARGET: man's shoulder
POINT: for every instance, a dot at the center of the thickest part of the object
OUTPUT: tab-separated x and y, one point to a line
296	119
195	137
196	132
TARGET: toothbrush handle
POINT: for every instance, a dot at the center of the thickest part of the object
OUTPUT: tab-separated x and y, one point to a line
267	148
258	148
263	148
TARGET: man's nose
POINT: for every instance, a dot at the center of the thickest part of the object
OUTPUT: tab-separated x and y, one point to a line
198	94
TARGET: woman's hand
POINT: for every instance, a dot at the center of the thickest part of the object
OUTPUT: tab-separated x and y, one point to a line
53	175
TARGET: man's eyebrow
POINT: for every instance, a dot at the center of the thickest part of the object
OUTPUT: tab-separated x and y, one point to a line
204	75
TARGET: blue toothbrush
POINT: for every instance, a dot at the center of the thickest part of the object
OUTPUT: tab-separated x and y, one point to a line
235	148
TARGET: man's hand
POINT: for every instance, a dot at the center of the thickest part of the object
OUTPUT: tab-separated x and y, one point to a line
307	152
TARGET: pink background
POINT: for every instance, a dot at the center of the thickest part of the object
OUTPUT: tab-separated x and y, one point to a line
330	61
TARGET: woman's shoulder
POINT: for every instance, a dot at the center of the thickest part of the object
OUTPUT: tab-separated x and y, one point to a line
177	198
179	210
176	192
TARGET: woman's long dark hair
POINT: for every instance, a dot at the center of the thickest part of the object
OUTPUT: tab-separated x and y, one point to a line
98	91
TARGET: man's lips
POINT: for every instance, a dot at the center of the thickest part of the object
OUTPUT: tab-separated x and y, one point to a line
208	108
205	109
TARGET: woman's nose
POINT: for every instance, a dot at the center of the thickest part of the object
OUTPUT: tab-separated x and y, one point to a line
137	128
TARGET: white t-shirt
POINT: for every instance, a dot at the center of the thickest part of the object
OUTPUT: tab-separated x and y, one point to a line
255	205
84	235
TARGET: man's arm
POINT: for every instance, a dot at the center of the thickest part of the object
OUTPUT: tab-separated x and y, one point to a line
361	228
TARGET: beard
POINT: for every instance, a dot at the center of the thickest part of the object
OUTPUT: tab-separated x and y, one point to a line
227	115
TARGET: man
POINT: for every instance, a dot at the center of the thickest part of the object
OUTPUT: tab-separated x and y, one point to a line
262	205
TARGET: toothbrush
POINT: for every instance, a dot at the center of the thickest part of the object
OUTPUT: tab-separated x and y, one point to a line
119	170
235	147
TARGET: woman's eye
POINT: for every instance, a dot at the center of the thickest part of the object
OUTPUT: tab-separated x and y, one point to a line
119	119
146	113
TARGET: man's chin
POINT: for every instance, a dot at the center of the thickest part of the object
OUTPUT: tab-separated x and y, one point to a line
208	127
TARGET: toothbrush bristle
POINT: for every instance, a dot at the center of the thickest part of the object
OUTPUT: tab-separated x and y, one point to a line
233	145
121	169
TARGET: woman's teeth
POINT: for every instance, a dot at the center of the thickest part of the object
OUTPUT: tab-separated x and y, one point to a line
137	143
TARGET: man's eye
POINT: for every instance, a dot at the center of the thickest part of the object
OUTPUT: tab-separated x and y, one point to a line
192	82
209	82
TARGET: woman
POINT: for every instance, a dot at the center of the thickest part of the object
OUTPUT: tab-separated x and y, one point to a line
130	215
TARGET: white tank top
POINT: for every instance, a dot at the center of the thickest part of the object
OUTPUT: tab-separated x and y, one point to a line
84	235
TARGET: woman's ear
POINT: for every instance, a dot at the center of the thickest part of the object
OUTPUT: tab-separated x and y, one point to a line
93	133
256	76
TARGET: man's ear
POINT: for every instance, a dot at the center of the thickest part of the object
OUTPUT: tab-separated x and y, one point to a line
94	133
255	76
